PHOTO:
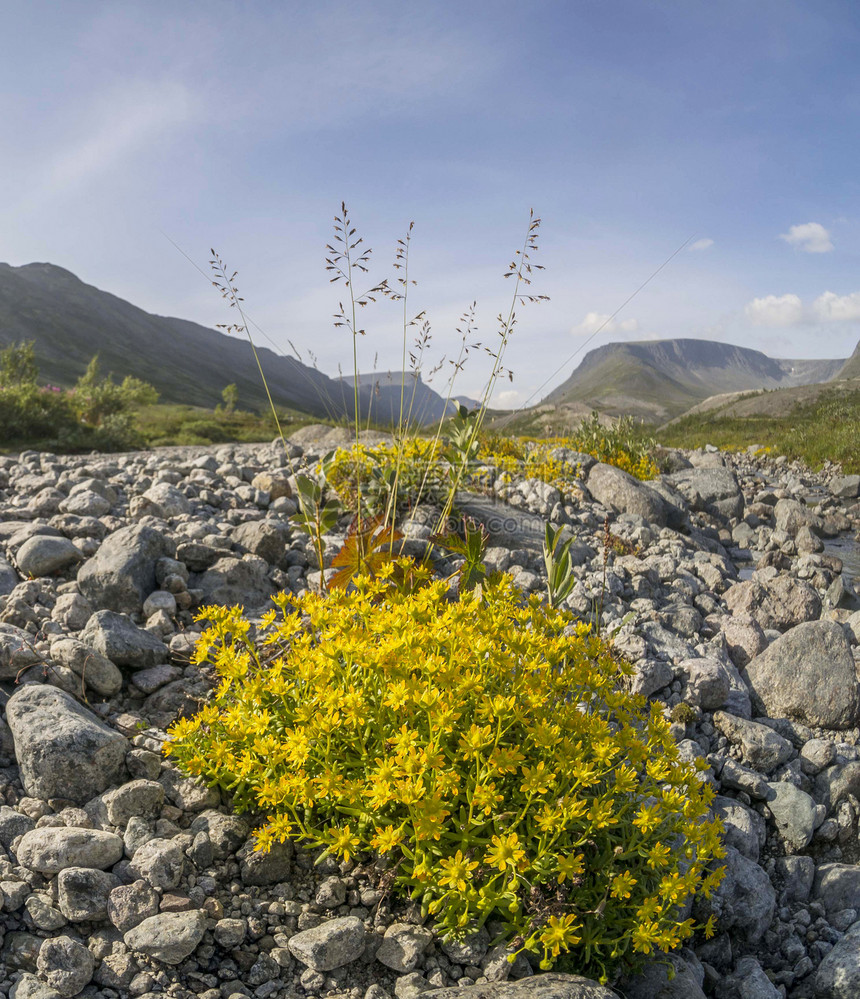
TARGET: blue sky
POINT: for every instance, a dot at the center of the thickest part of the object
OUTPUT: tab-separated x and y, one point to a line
629	126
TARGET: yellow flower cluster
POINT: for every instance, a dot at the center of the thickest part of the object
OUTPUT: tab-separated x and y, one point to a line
413	466
491	746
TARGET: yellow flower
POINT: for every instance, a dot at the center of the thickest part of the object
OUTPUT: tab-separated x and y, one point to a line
560	933
570	866
386	839
506	852
622	885
343	842
457	870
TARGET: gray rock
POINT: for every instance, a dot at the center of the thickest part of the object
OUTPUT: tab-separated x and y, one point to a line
65	964
230	933
403	947
815	755
43	915
29	987
763	749
745	900
745	829
43	556
188	793
97	671
129	905
121	574
169	936
779	603
744	638
714	491
330	945
708	683
809	675
166	501
235	581
654	980
748	981
797	875
833	785
86	503
8	577
269	868
138	797
269	539
548	986
837	886
12	825
741	778
838	975
82	893
794	813
846	486
618	491
226	832
52	849
62	749
469	950
159	862
16	651
118	638
791	516
72	611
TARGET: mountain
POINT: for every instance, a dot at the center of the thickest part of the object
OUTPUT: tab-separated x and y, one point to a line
382	389
658	379
70	321
851	368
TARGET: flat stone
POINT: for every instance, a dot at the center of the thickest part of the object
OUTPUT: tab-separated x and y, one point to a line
547	986
168	936
837	886
52	849
330	945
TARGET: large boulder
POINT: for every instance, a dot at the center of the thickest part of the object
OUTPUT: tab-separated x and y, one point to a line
622	493
808	675
63	749
714	491
121	574
779	603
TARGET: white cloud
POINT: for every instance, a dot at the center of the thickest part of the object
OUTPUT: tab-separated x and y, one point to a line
832	308
701	244
811	237
595	321
775	310
509	398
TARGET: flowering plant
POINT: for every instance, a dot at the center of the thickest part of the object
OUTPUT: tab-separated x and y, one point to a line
490	748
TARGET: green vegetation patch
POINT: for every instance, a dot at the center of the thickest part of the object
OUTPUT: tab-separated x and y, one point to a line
827	429
491	749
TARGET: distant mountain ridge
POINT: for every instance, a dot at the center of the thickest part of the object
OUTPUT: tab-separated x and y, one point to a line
70	321
658	379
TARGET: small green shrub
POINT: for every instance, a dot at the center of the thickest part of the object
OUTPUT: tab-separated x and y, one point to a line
489	747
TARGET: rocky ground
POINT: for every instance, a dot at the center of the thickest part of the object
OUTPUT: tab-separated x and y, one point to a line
119	877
